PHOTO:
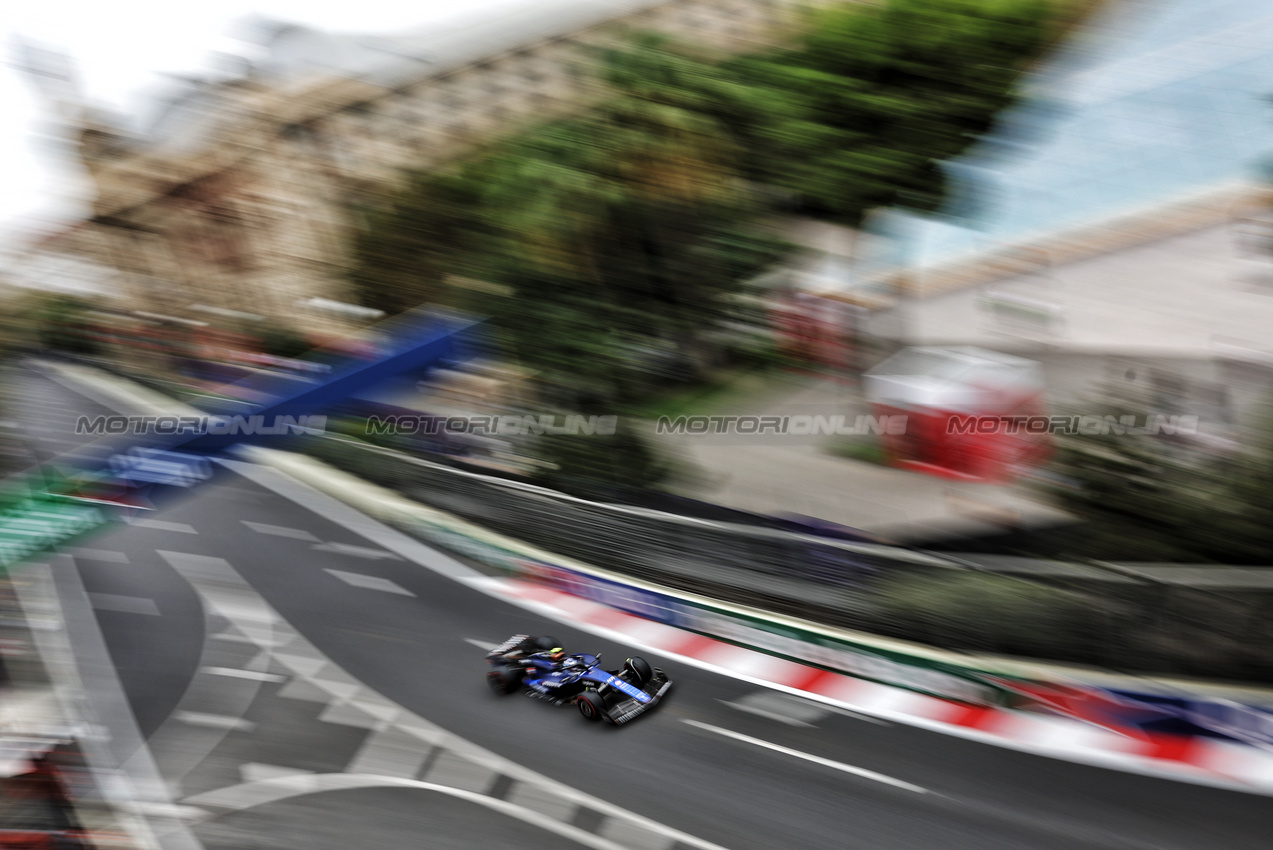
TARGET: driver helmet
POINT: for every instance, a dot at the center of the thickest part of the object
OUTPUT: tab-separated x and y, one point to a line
547	643
556	653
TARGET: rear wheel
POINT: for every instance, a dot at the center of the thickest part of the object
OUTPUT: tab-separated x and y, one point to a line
503	680
591	706
638	671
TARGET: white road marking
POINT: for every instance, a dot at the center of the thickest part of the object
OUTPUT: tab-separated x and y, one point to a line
390	752
856	715
281	531
243	674
239	797
305	665
100	555
370	582
118	783
266	643
334	510
166	810
214	721
801	707
794	710
356	551
834	765
124	604
160	525
767	713
256	772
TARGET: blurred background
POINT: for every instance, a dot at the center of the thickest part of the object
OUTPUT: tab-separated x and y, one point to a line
674	211
933	209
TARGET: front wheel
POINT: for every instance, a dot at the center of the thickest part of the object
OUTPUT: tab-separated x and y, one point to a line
638	671
591	706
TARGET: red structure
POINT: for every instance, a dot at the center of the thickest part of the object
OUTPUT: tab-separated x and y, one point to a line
817	329
971	414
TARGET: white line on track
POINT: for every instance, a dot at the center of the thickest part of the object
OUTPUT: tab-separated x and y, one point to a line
857	715
280	531
766	713
213	721
99	555
160	525
248	795
370	582
794	709
356	551
124	604
235	673
835	765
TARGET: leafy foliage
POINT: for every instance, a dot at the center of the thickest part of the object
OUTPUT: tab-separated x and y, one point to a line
861	112
993	614
616	234
1159	499
281	341
622	460
62	323
408	243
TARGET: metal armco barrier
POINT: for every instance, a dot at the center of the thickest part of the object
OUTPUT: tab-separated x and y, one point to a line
749	565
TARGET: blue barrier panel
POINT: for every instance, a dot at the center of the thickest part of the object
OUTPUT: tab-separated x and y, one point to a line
147	460
413	344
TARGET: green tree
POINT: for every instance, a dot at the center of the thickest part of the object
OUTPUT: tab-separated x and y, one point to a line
281	341
615	234
62	323
622	460
1151	498
409	242
873	97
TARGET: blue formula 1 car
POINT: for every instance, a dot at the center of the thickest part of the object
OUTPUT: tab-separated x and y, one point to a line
616	697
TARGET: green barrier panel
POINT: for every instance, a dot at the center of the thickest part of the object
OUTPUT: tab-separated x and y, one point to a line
32	521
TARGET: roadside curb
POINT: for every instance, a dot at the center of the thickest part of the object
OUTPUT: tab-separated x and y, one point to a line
1197	760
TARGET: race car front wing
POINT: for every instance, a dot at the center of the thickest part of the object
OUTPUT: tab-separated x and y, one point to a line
622	712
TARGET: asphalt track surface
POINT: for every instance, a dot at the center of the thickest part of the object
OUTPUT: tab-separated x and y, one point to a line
698	764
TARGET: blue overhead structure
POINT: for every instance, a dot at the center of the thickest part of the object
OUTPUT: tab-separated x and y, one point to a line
132	470
1150	103
411	344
